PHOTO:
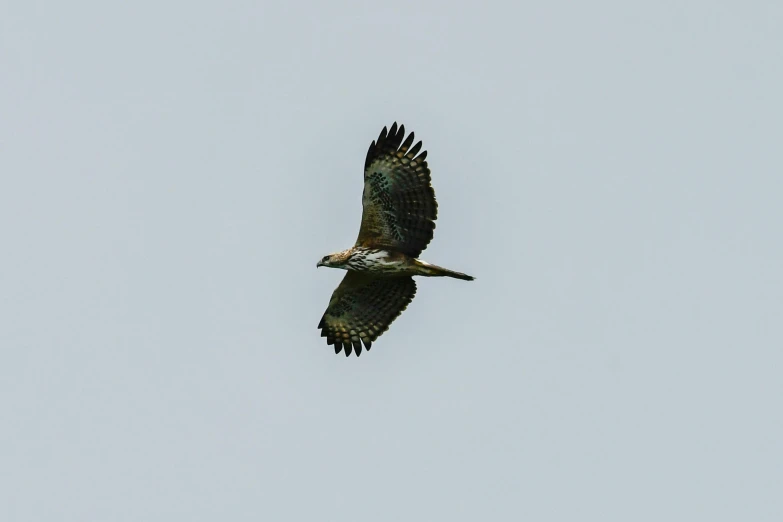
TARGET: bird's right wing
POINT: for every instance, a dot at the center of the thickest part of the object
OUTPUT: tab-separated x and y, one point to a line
398	200
362	308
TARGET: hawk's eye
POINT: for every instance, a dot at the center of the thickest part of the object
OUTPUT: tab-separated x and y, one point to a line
325	259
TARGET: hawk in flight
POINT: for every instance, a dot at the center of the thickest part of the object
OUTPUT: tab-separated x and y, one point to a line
397	224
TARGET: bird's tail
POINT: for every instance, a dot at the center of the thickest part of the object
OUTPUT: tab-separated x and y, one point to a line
429	270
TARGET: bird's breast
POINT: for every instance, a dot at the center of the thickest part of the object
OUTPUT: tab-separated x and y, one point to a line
379	261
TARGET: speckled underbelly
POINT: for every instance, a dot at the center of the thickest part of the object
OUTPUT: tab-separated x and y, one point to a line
379	262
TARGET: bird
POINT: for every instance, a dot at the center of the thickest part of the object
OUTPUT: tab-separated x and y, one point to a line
398	222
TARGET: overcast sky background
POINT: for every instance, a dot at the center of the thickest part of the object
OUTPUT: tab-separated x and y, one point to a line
611	172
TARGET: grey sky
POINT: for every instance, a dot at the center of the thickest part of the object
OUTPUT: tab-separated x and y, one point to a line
170	172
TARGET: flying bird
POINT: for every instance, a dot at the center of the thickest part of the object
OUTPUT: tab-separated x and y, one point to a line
398	221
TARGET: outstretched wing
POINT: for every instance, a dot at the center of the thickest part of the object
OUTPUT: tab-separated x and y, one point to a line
362	308
399	203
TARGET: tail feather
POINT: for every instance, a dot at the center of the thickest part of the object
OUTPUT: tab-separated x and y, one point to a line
438	271
456	275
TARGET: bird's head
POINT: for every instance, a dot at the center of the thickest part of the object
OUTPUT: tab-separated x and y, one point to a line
336	260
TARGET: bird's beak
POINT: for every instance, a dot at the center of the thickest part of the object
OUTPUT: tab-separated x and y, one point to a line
319	264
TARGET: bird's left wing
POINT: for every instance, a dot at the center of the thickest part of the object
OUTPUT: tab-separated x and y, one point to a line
399	206
362	308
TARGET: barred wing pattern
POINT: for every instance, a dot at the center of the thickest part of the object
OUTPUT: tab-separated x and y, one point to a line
362	308
399	202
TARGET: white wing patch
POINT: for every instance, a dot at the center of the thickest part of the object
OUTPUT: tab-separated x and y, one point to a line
379	256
